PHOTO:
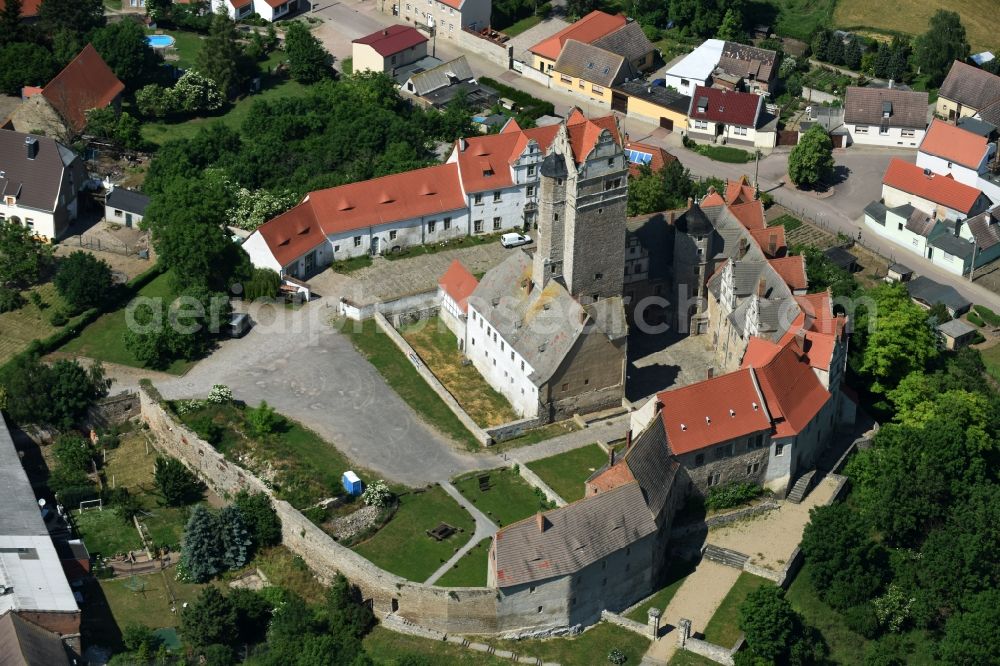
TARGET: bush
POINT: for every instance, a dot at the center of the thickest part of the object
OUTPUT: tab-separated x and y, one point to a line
263	421
862	620
734	494
975	319
987	315
84	281
263	283
766	200
220	394
176	483
616	656
10	300
377	495
58	318
207	429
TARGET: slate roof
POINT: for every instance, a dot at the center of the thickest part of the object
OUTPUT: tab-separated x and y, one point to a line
953	244
393	39
127	200
402	74
725	106
954	144
694	222
876	210
649	461
865	106
985	228
590	28
929	292
23	643
35	182
628	41
658	95
590	63
574	536
748	61
936	188
441	76
85	83
970	86
840	257
990	113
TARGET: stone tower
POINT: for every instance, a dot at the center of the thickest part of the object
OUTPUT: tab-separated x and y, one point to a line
581	222
694	250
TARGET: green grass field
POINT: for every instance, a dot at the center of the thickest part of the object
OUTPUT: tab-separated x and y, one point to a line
509	498
470	571
686	658
980	17
438	349
991	357
105	533
400	374
403	546
800	18
723	629
19	327
388	647
523	25
565	473
589	648
789	222
677	572
186	46
104	339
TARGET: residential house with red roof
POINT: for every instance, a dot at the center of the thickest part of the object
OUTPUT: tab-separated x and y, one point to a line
269	10
940	196
587	30
60	109
29	9
448	17
385	50
961	153
454	289
727	116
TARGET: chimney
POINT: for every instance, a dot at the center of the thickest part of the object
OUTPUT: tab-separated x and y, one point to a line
611	457
710	372
800	338
772	244
385	32
626	137
628	439
891	82
671	218
659	405
761	288
462	145
690	202
540	521
31	144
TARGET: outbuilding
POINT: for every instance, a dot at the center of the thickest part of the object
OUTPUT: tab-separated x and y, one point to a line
352	484
125	207
956	334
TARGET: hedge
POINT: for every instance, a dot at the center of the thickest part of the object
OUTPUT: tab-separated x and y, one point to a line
987	315
975	319
531	107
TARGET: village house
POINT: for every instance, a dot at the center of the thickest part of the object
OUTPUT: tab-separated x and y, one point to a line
40	183
967	156
590	71
696	68
887	117
655	104
927	293
723	116
59	109
587	30
269	10
444	18
752	69
437	86
940	196
387	49
454	289
630	42
965	91
956	334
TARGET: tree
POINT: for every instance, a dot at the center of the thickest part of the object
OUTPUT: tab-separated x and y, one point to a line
194	93
944	42
263	421
23	256
253	614
835	50
820	45
56	394
344	611
73	452
647	192
177	485
25	64
308	61
768	622
209	620
84	281
77	16
10	21
260	517
883	59
220	54
263	284
253	208
970	637
824	274
201	553
852	54
899	64
811	161
124	47
158	10
236	540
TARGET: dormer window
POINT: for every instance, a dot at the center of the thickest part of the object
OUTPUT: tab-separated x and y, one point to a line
886	109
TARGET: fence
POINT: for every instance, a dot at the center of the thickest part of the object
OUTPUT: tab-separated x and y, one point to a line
104	245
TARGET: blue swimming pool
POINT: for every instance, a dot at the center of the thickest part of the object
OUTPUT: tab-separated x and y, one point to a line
160	41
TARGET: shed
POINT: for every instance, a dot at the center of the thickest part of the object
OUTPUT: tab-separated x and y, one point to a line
928	293
899	273
842	258
126	207
956	334
352	484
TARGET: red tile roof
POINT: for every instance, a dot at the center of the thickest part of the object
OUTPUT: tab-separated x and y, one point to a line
583	133
458	283
750	214
712	411
760	351
792	271
954	144
726	106
793	392
85	83
712	199
764	237
454	4
936	188
394	198
611	478
29	8
740	191
590	28
392	40
660	158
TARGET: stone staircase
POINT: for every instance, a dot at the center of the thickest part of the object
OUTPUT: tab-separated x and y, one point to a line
801	487
730	558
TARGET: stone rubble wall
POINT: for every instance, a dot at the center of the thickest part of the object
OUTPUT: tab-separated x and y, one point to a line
113	410
625	623
724	519
512	429
537	482
499	54
716	653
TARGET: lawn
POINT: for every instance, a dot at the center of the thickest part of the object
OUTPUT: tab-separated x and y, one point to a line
539	434
352	264
725	154
800	18
403	546
846	647
19	327
509	498
677	573
452	244
566	472
437	347
523	25
723	629
289	571
787	221
470	571
103	340
186	46
105	533
980	17
991	357
687	658
146	599
589	648
399	373
388	647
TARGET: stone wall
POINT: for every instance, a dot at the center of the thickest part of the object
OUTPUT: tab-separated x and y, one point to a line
625	623
432	382
716	653
501	54
426	302
537	482
682	531
512	429
113	409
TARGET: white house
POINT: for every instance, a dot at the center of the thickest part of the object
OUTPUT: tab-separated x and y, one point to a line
40	183
269	10
940	196
730	117
125	207
963	154
446	17
886	117
385	50
695	69
454	289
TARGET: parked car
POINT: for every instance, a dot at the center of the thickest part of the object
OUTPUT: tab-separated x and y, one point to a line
514	240
239	324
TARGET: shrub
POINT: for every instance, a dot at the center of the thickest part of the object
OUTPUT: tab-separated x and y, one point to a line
766	200
975	319
616	656
176	483
220	394
263	421
731	495
10	299
377	494
987	315
207	429
862	620
263	283
58	318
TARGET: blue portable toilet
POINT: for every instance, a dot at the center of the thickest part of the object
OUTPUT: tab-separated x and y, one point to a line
352	484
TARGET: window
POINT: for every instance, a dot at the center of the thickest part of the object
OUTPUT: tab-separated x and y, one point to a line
598	276
720	453
530	191
699	460
477	199
392	235
531	170
477	226
29	223
451	26
357	241
714	478
611	161
393	60
899	227
431	225
118	213
753	468
501	345
861	129
779	450
685	82
522	366
582	84
496	224
565	79
883	130
565	387
597	89
701	124
336	248
612	184
600	211
512	356
531	590
740	131
447	223
496	197
916	242
908	133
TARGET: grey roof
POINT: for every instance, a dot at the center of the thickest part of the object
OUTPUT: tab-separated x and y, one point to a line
554	166
929	292
903	210
990	113
590	63
840	257
8	104
920	223
748	61
23	643
441	76
953	244
628	41
476	94
608	314
866	106
876	210
127	200
541	324
402	74
900	269
668	98
35	182
694	222
574	536
970	85
956	328
985	228
650	461
977	126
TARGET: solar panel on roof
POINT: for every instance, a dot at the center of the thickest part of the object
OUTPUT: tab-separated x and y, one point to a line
637	157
